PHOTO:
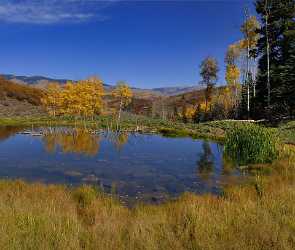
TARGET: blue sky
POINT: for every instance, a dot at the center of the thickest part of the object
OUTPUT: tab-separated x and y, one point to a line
146	43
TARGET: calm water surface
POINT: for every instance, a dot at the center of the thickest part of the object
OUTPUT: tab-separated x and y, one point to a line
135	166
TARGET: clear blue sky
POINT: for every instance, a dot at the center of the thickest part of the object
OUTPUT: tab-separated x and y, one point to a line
146	43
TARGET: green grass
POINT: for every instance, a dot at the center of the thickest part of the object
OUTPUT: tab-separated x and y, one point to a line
128	123
286	131
214	130
250	144
259	215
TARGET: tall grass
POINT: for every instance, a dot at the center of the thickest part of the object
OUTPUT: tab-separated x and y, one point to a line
250	144
259	215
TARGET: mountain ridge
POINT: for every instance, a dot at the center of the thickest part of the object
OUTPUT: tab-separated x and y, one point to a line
42	81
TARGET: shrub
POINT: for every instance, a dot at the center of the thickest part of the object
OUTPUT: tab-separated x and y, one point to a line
250	144
170	132
85	195
20	92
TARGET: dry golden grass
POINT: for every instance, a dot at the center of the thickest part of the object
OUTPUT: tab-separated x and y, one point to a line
259	215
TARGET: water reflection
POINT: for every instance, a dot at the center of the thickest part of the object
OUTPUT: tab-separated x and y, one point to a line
7	131
119	139
78	141
205	164
229	166
143	167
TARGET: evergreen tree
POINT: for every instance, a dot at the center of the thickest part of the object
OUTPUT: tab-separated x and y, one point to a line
276	63
286	71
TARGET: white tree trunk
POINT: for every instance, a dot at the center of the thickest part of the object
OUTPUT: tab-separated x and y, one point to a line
248	63
119	114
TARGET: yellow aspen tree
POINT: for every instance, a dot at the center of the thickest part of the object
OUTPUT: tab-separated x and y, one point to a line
89	97
208	71
232	75
69	103
223	103
52	99
232	54
96	91
123	94
189	113
249	43
81	97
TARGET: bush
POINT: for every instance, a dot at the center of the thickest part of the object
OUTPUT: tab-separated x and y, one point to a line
20	92
85	195
250	144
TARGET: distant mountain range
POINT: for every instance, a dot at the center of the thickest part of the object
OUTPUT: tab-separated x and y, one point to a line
41	81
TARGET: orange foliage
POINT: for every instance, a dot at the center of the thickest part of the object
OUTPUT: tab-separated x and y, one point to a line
83	98
20	92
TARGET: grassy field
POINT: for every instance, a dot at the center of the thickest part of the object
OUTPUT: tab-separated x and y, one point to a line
214	130
259	215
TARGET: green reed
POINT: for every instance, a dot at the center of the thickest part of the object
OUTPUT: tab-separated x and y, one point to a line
251	144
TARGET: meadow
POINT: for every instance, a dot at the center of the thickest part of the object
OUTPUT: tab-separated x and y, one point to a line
256	215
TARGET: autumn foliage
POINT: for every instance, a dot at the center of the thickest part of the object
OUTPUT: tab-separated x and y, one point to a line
78	141
20	92
82	99
123	94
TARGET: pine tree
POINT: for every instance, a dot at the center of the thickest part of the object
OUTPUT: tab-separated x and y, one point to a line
276	64
286	71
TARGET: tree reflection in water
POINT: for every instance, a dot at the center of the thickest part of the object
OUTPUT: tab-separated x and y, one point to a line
79	141
228	166
119	139
205	164
8	131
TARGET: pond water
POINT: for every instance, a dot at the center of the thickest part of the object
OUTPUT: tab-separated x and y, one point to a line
141	167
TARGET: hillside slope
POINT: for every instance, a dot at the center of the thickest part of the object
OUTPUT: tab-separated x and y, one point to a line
19	100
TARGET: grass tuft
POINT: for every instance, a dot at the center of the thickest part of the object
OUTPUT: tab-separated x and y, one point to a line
251	144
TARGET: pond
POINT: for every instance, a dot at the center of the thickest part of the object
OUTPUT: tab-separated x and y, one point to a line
136	167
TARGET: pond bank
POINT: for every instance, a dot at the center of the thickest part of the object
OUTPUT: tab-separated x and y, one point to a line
214	130
211	130
259	215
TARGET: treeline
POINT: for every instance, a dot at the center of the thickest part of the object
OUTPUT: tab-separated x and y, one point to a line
260	73
276	52
85	98
20	92
186	107
260	69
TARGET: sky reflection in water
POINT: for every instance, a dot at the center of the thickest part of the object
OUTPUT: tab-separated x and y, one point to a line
140	166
